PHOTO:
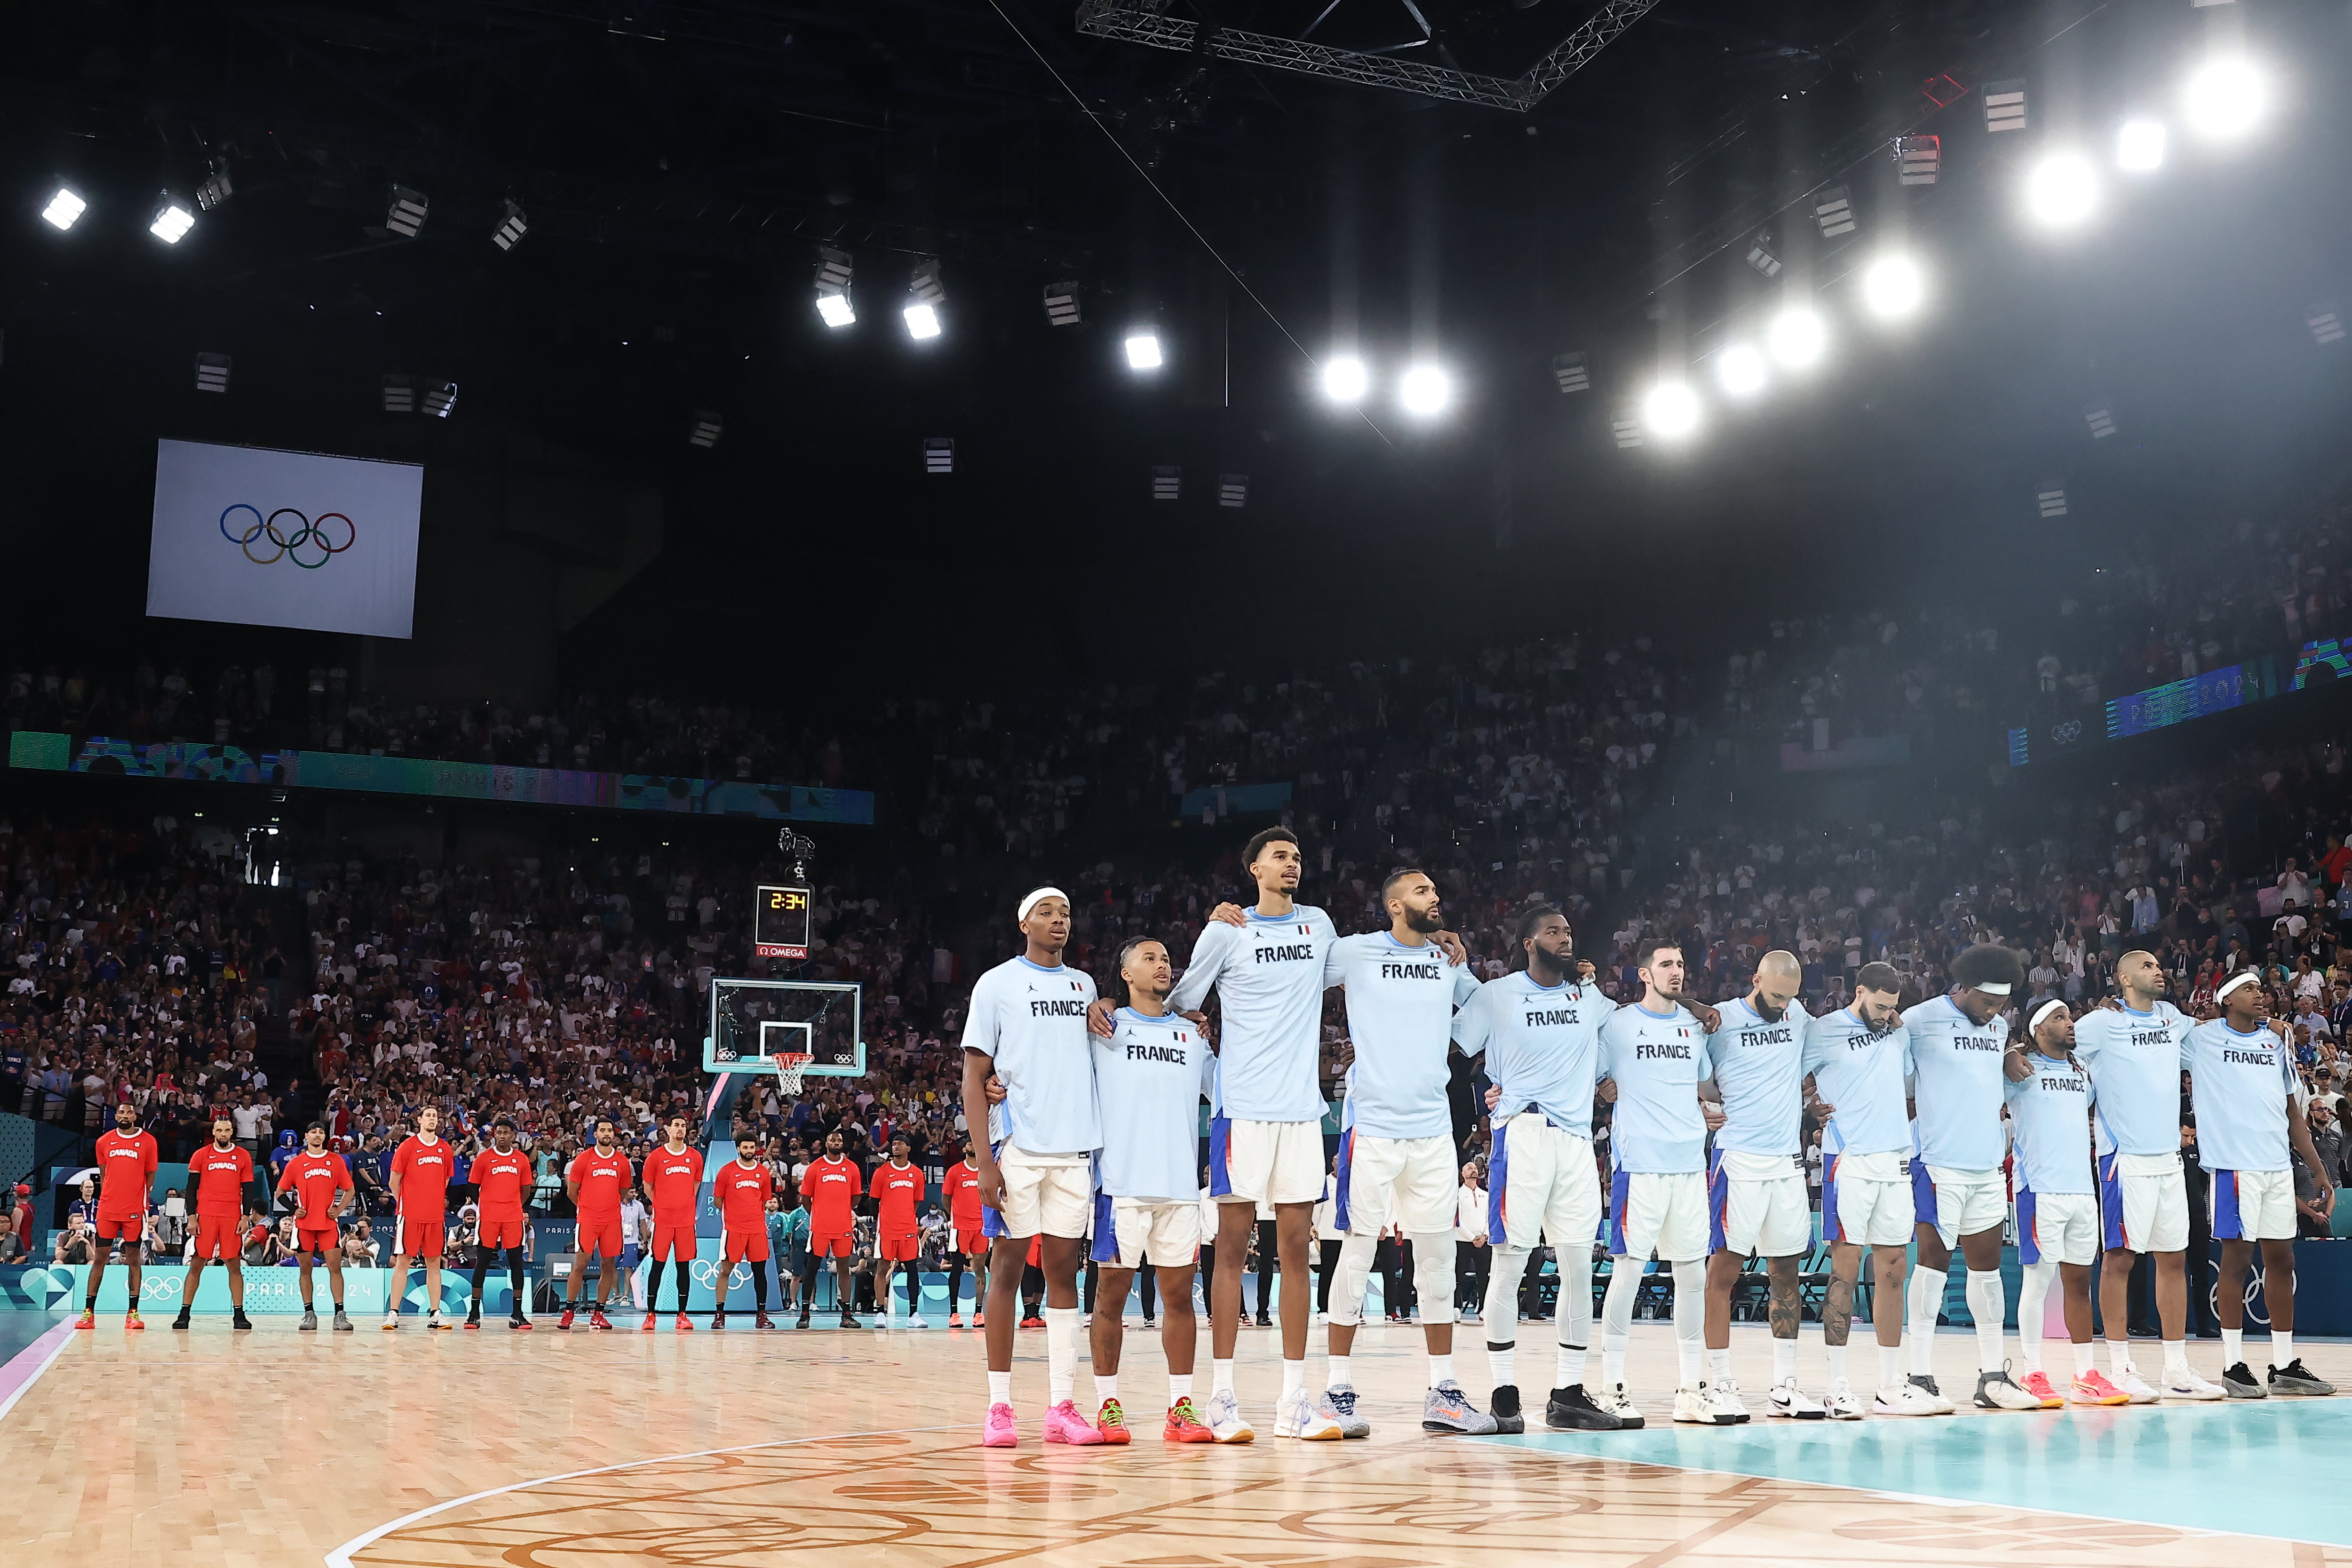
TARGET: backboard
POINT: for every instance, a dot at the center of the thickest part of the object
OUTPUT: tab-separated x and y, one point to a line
752	1021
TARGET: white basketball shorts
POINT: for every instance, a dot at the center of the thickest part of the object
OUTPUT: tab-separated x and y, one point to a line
1410	1182
2056	1228
1541	1185
1265	1162
1132	1232
2143	1203
1866	1200
1660	1211
2253	1205
1756	1205
1967	1203
1044	1195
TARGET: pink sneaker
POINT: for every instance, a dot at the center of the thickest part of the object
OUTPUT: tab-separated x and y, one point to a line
998	1431
2093	1388
2037	1383
1065	1425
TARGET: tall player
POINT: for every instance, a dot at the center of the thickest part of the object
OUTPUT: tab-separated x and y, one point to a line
2057	1216
2242	1075
965	1243
1859	1057
742	1188
501	1173
222	1171
1027	1028
1654	1051
897	1187
830	1186
421	1169
1396	1164
673	1183
1757	1203
1150	1077
1958	1044
126	1172
321	1186
1539	1033
598	1177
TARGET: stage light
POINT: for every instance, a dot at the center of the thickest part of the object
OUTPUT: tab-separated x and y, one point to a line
1625	427
922	313
2101	417
1426	391
1892	287
2139	145
2325	322
216	188
1797	337
705	430
2225	99
65	209
1062	307
1918	159
1833	210
1671	410
1167	483
1233	491
1345	379
399	395
1570	371
2061	192
2050	496
832	271
2004	105
1143	350
1759	254
512	226
172	220
938	455
212	373
440	397
922	321
1740	368
406	214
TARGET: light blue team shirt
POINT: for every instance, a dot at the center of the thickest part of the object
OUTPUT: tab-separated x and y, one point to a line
1269	981
2240	1084
1031	1022
1860	1074
1401	1003
2136	1059
2050	1109
1760	1067
1961	1079
1542	1046
1149	1077
1656	1059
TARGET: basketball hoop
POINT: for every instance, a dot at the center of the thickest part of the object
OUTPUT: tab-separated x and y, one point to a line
789	1066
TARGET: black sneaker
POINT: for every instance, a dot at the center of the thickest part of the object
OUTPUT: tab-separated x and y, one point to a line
1503	1404
181	1321
1571	1409
1263	1320
849	1321
239	1321
803	1322
2296	1378
2239	1382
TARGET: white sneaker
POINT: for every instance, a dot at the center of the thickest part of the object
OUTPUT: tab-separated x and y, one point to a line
1905	1399
917	1322
1925	1382
1843	1404
1694	1403
391	1321
2133	1384
1225	1423
1295	1416
1723	1397
1998	1391
2187	1384
1790	1400
1615	1401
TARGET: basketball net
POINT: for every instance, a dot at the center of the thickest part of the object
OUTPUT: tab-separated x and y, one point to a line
790	1066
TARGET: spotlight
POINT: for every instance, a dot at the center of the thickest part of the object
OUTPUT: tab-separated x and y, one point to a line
1233	491
2061	191
1143	350
1426	391
1740	369
2325	322
399	395
1625	427
1671	410
1062	304
922	321
1797	337
832	306
1345	379
922	313
512	226
406	215
1167	483
704	432
2101	417
2139	145
440	397
1571	372
216	188
65	209
1833	210
1918	159
1759	254
212	373
2004	105
1892	287
2050	496
2225	99
172	220
938	455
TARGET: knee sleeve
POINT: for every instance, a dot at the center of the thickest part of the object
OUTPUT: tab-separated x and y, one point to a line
1354	1272
1502	1307
1617	1309
1690	1298
1432	1274
1573	1319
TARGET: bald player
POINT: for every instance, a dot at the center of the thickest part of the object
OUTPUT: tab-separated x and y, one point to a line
1756	1201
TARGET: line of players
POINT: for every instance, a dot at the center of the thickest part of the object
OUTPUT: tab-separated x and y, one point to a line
1097	1107
597	1179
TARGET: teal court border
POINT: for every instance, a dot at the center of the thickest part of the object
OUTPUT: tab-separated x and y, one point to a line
2268	1467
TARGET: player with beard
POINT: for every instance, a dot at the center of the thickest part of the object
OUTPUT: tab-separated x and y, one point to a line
321	1186
126	1170
501	1173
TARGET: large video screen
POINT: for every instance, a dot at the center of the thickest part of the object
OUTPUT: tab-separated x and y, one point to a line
284	538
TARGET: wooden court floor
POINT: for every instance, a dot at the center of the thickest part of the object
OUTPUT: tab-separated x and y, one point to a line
852	1448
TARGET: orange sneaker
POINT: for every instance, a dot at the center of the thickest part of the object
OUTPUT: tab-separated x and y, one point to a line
131	1321
1184	1424
2093	1388
2037	1383
980	1319
89	1320
1111	1422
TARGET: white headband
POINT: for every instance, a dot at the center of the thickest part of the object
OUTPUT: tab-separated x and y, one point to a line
1031	901
2043	1012
2243	977
1992	987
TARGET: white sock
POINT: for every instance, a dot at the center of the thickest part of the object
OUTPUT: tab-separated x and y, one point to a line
1784	1361
1925	1294
1106	1387
1062	1351
2233	1346
1890	1366
1718	1365
1339	1377
2032	1302
1612	1358
1687	1361
2176	1356
1000	1387
1441	1370
1180	1386
1220	1376
1568	1371
2119	1360
2086	1358
2282	1346
1987	1301
1294	1376
1837	1362
1502	1365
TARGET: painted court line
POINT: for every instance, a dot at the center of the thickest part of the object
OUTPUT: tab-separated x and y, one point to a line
24	1369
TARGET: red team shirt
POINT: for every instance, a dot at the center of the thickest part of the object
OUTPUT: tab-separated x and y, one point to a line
502	1178
743	1192
671	1181
222	1176
315	1178
896	1190
423	1172
963	1186
830	1186
602	1178
126	1163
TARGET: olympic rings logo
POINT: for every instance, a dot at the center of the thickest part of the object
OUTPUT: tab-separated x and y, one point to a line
305	534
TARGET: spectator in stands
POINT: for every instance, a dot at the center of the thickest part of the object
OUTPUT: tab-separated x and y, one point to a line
73	1243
